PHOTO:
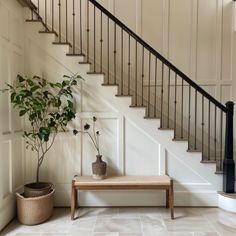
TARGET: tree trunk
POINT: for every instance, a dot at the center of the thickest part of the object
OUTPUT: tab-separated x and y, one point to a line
37	173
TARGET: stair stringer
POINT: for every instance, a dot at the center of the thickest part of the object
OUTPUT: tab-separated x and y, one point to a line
121	104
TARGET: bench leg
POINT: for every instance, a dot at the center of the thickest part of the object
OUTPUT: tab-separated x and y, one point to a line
167	198
73	200
171	200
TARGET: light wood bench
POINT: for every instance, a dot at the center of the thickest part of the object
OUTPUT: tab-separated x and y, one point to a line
123	183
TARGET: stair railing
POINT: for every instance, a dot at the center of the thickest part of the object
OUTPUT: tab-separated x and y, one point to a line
139	71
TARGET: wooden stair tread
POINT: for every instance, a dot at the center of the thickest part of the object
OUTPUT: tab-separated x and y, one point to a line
180	139
48	32
110	84
62	43
95	73
75	54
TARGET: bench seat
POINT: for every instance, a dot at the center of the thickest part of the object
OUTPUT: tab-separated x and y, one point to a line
123	183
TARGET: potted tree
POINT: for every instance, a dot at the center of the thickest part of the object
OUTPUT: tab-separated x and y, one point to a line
48	108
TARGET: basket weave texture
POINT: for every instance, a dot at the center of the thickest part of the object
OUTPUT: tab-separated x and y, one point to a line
36	210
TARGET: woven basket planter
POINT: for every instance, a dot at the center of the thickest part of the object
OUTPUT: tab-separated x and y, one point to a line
36	210
37	189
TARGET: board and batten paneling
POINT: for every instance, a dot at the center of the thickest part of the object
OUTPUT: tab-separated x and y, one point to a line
196	35
12	145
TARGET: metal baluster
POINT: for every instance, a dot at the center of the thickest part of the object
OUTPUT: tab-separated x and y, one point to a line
94	38
108	52
203	126
81	35
209	129
168	102
215	133
195	126
221	140
114	53
38	7
162	91
101	41
155	93
149	83
73	33
87	31
52	15
129	64
182	111
67	19
32	14
122	57
189	115
45	14
142	73
59	5
175	104
136	72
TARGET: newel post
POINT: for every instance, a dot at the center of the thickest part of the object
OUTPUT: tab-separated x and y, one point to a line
228	164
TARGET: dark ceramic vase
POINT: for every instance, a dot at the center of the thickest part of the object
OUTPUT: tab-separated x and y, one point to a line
99	168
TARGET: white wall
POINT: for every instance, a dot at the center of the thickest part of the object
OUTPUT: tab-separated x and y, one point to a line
11	143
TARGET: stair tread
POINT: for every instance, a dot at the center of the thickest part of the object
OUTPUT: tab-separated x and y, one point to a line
62	43
208	161
151	118
48	32
193	150
165	128
110	84
85	62
95	73
180	139
36	20
139	106
75	54
119	95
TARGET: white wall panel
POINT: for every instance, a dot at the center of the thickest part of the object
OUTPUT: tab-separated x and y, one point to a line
62	161
176	167
5	169
153	14
17	61
126	11
137	160
4	21
206	40
11	63
226	93
17	163
180	34
5	75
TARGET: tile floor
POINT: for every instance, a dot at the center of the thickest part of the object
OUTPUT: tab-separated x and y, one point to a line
132	222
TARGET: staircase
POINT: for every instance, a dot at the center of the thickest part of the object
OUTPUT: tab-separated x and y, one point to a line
138	71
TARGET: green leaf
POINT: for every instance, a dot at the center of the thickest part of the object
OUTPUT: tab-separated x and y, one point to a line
33	89
30	82
22	112
65	82
20	78
66	76
10	86
58	85
13	96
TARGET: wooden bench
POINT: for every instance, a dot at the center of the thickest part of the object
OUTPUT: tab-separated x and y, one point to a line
123	183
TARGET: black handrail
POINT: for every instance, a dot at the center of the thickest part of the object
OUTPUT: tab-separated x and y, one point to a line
159	56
